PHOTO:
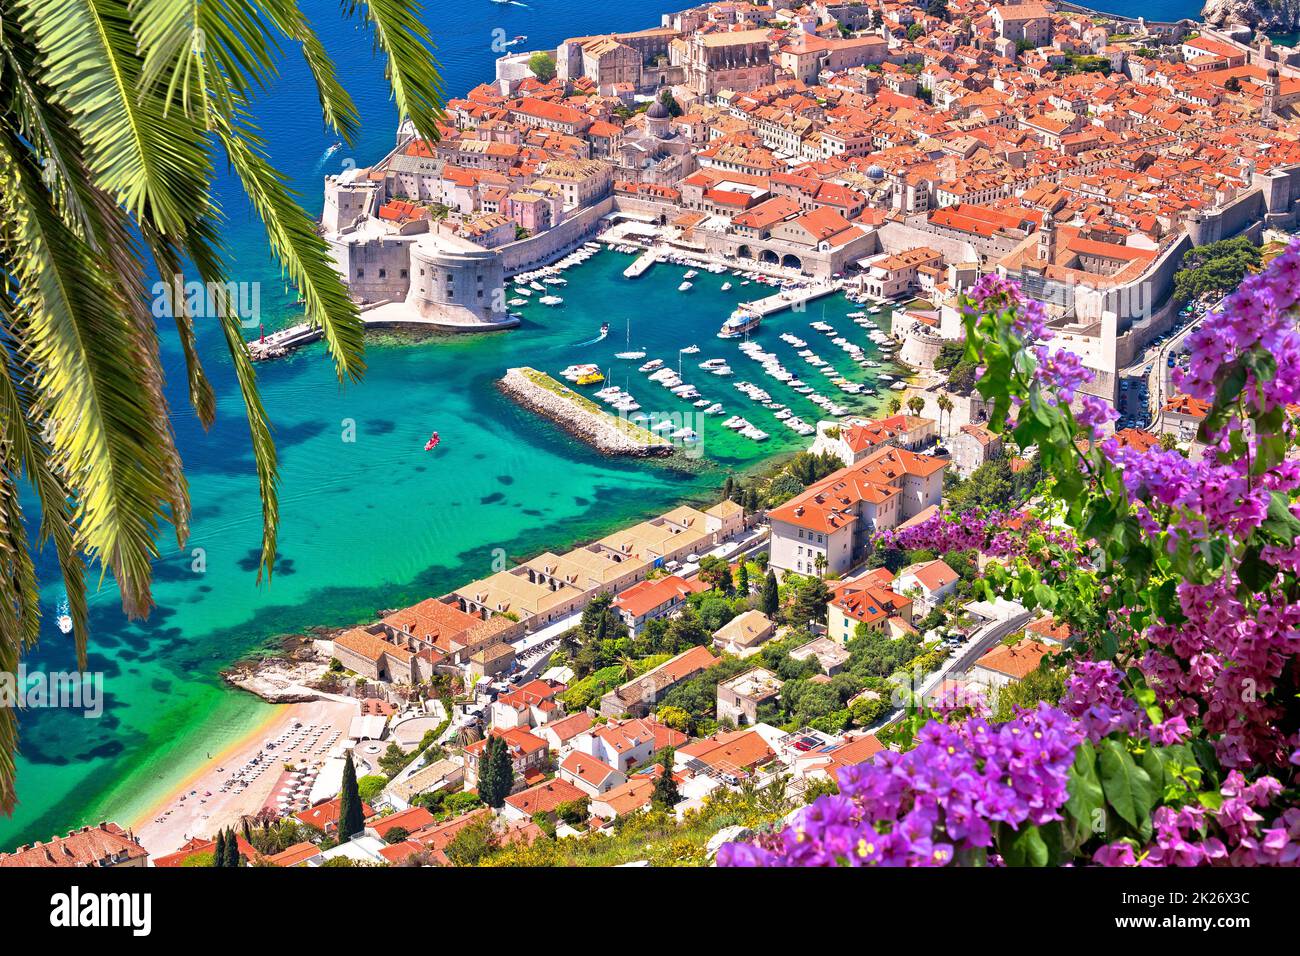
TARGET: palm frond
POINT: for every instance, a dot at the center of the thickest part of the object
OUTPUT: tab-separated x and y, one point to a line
412	71
107	437
183	41
337	108
202	248
149	160
18	421
293	239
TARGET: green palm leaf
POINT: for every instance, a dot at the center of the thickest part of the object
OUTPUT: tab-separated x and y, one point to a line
111	115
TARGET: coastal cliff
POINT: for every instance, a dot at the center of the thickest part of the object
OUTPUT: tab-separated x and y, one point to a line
1275	16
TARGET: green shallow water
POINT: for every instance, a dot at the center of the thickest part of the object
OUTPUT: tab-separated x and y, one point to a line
369	520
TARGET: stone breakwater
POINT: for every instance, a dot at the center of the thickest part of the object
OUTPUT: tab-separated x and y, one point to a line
580	417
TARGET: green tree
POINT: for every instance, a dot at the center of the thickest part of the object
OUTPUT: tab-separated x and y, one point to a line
716	573
497	777
675	717
811	597
1215	268
370	787
351	816
742	580
945	408
771	595
665	795
991	485
396	835
543	66
219	851
112	122
233	857
670	103
895	405
472	843
574	812
916	404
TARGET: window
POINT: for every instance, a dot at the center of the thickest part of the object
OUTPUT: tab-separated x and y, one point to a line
361	273
383	273
402	274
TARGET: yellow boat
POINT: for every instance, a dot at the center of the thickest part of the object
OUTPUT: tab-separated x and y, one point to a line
591	378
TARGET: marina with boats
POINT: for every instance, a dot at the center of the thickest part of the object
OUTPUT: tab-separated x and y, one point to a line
846	376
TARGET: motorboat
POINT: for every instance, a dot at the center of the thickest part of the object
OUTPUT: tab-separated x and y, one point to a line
741	322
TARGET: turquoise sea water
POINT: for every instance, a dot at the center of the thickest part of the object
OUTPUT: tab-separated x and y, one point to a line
375	522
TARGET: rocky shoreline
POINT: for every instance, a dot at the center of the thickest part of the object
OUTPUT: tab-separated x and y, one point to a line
604	432
289	674
1272	16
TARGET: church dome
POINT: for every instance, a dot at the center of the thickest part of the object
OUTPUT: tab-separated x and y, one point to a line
875	172
657	110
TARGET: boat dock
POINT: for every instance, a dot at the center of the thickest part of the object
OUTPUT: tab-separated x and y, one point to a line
790	298
381	315
282	342
642	264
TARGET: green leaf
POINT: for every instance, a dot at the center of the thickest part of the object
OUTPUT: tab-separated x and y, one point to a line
1026	848
1127	786
1086	796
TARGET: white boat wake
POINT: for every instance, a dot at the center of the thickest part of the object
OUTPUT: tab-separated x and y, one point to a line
600	338
320	164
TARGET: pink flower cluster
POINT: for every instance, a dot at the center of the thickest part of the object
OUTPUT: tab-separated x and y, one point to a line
933	804
1236	834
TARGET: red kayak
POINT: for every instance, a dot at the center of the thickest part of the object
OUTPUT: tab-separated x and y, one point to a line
432	443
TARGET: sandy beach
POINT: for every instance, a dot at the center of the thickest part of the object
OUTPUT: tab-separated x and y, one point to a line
201	805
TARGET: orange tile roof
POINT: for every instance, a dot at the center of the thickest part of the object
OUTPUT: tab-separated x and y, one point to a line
739	750
89	846
851	753
1187	405
410	820
326	814
433	620
544	797
587	768
197	846
934	575
1018	660
644	596
831	504
294	854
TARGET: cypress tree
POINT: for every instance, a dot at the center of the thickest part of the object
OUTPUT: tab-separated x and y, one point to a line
351	819
232	849
771	595
219	851
728	489
742	579
665	795
487	772
498	776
